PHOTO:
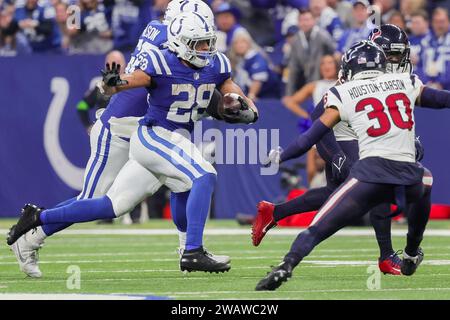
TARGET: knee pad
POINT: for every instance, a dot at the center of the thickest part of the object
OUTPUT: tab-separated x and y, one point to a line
427	178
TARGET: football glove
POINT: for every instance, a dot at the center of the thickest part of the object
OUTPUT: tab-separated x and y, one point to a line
245	115
420	151
273	157
340	167
111	75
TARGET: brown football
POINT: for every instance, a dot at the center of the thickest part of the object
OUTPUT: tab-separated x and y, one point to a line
231	103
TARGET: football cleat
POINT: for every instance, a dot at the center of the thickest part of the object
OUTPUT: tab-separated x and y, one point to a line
391	265
222	259
27	255
264	221
29	220
201	260
275	278
410	264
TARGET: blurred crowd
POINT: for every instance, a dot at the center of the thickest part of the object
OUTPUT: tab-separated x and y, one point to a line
278	48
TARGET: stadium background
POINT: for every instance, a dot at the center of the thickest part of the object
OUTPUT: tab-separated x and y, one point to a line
37	77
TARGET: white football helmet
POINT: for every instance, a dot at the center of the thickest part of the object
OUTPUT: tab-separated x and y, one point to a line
176	7
187	33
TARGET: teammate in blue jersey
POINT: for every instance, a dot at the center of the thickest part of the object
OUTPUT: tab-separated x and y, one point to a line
109	138
181	81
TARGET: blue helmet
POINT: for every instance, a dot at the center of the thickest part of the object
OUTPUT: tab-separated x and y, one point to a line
363	60
395	44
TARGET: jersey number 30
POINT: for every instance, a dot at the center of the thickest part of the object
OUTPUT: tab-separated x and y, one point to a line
379	113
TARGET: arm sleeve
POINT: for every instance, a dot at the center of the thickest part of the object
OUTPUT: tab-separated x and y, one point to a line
434	99
83	107
327	146
305	141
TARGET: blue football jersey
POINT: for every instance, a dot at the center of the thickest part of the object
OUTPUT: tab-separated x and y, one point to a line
181	93
133	103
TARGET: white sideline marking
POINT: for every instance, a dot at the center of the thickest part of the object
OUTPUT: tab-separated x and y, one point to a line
66	296
235	231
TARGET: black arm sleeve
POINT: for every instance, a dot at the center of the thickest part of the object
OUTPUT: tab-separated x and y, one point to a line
89	101
327	146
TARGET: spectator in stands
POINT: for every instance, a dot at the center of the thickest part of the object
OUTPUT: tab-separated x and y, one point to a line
227	21
315	90
61	19
129	18
94	35
361	26
434	60
397	19
387	8
408	7
344	10
158	9
252	71
309	45
12	41
37	22
326	18
277	11
420	28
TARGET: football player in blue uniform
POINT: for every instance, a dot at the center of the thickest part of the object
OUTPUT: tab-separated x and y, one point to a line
181	81
110	135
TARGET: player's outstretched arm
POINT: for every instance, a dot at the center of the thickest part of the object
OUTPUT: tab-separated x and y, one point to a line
248	116
114	82
433	98
313	135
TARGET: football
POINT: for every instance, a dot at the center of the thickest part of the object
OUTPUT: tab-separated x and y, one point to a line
231	103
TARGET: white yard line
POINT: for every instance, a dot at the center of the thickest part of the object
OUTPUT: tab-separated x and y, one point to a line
70	296
234	231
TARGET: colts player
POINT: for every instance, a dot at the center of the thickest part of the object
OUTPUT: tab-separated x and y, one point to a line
181	81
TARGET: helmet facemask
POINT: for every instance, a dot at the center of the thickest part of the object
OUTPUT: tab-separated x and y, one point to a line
199	58
398	60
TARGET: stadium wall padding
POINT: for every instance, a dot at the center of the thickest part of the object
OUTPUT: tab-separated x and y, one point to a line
44	146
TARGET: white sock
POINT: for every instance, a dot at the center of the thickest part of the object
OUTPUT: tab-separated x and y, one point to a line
182	239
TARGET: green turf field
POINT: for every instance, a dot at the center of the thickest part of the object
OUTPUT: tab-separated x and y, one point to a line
144	264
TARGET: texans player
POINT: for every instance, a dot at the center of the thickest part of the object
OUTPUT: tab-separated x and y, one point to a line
181	81
379	107
339	157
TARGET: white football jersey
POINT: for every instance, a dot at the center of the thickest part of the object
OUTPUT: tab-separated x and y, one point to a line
381	113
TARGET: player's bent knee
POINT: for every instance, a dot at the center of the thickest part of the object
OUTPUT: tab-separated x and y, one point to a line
121	204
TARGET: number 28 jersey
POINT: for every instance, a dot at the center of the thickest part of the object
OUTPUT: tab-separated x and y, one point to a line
381	113
179	94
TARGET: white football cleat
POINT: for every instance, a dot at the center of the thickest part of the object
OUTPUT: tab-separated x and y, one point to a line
220	259
27	256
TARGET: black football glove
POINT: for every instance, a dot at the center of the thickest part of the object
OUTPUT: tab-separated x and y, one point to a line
340	167
111	75
420	151
244	115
